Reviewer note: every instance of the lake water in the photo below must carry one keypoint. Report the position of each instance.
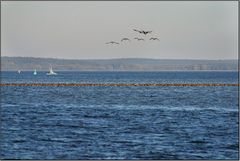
(119, 122)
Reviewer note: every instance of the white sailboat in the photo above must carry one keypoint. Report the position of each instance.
(51, 72)
(35, 72)
(19, 71)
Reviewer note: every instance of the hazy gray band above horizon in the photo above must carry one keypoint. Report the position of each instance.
(80, 30)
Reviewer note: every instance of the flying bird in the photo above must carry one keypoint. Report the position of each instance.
(137, 30)
(154, 38)
(146, 32)
(139, 39)
(142, 31)
(125, 39)
(112, 42)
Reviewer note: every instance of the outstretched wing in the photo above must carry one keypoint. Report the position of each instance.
(139, 39)
(112, 42)
(137, 30)
(125, 39)
(154, 38)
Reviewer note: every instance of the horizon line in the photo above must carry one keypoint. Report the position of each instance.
(118, 58)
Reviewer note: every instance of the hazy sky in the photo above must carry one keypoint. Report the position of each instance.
(61, 29)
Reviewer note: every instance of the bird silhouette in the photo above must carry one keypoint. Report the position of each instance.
(125, 39)
(137, 30)
(142, 31)
(139, 39)
(154, 38)
(146, 32)
(112, 42)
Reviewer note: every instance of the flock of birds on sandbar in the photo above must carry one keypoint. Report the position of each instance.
(142, 32)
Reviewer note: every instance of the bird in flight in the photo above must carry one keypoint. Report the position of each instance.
(125, 39)
(154, 38)
(142, 31)
(112, 42)
(139, 39)
(137, 30)
(146, 32)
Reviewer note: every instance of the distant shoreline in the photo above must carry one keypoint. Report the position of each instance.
(119, 58)
(116, 65)
(126, 71)
(118, 84)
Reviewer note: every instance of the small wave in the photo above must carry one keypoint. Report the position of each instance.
(199, 142)
(18, 141)
(8, 105)
(154, 107)
(172, 108)
(132, 107)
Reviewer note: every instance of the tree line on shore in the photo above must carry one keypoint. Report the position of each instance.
(124, 64)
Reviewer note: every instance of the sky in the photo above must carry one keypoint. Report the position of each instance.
(80, 29)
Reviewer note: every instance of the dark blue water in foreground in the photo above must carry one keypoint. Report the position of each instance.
(119, 122)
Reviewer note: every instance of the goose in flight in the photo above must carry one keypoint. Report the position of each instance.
(142, 31)
(146, 32)
(139, 39)
(125, 39)
(154, 38)
(112, 42)
(137, 30)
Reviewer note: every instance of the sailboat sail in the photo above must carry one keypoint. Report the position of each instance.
(35, 72)
(51, 72)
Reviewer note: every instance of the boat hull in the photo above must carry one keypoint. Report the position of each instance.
(51, 73)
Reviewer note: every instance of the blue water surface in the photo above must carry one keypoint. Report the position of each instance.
(119, 122)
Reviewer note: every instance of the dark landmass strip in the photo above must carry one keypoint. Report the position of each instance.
(124, 64)
(113, 84)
